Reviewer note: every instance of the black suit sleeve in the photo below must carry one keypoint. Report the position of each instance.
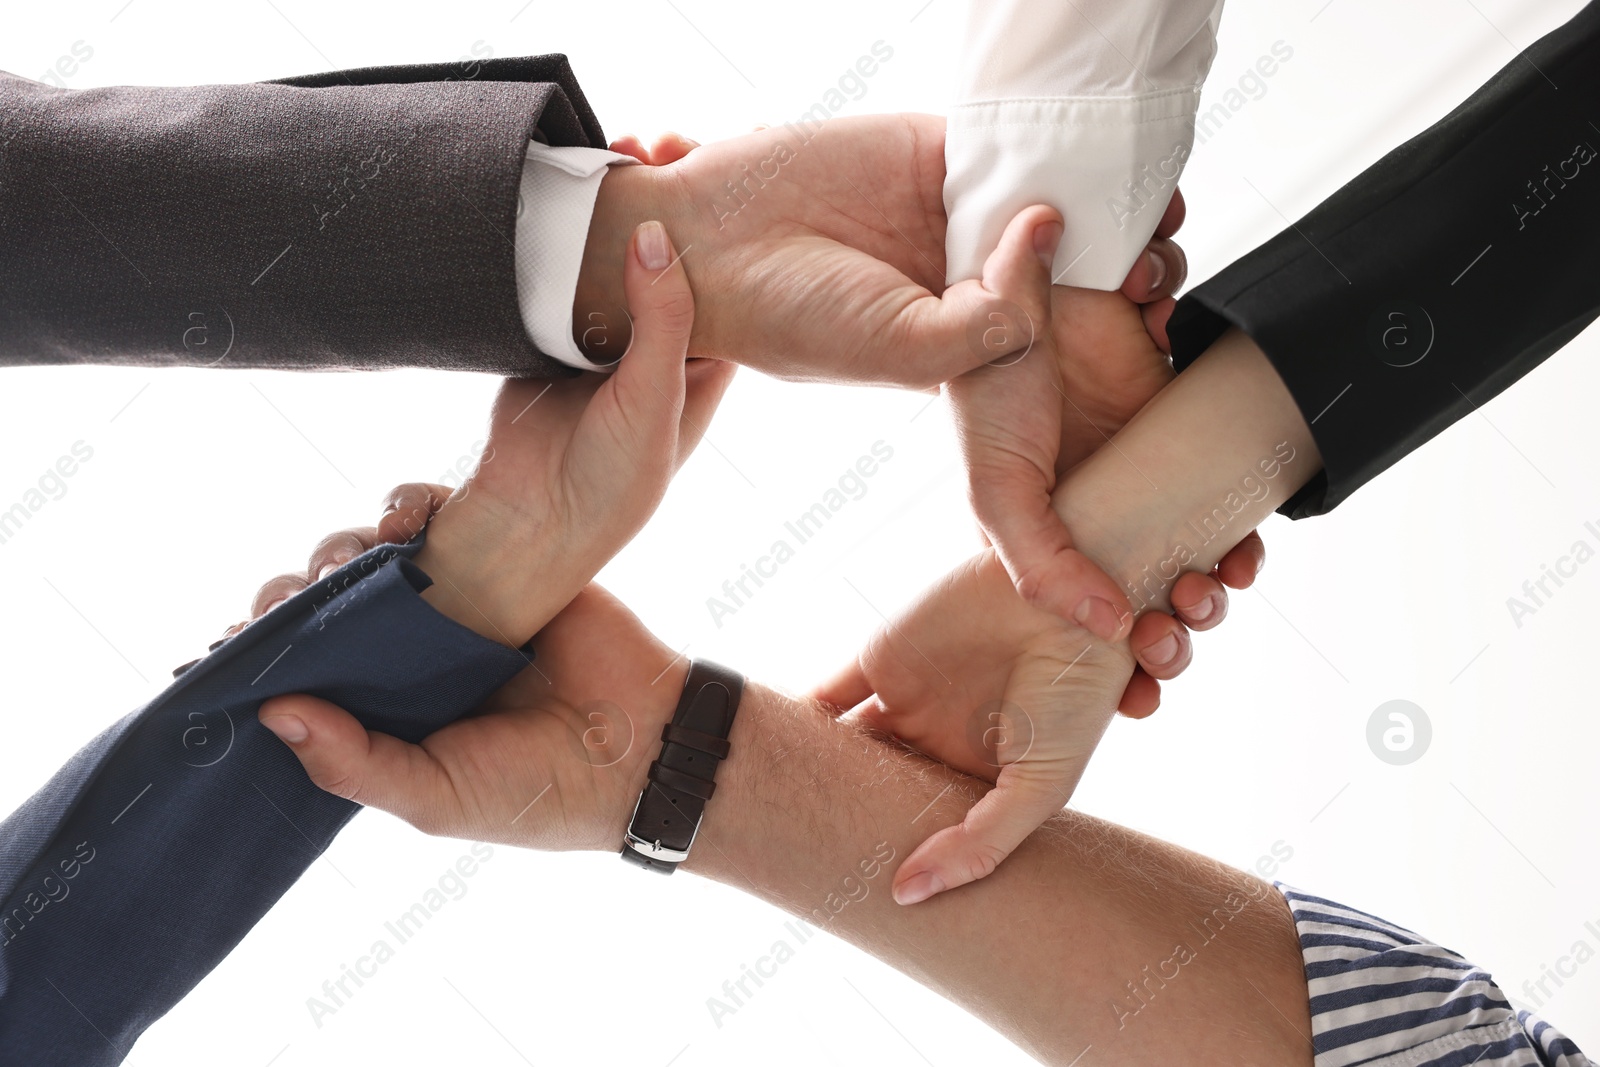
(353, 220)
(1442, 274)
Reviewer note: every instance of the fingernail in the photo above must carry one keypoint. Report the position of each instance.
(918, 887)
(1099, 618)
(1162, 652)
(327, 569)
(274, 604)
(655, 251)
(1158, 271)
(1045, 239)
(288, 728)
(1203, 610)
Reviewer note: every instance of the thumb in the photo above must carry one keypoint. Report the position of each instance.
(1018, 805)
(1009, 419)
(646, 393)
(1010, 308)
(989, 321)
(1018, 270)
(342, 757)
(1012, 504)
(1010, 477)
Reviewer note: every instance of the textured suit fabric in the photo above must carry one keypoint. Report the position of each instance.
(1442, 274)
(150, 855)
(346, 221)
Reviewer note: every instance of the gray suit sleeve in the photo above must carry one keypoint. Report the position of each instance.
(346, 221)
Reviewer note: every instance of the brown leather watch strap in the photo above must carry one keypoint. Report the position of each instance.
(683, 778)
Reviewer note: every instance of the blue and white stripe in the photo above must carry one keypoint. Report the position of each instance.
(1383, 995)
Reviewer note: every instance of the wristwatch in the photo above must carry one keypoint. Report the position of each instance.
(683, 777)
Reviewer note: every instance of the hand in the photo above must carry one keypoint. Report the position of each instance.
(1093, 360)
(574, 466)
(554, 760)
(821, 265)
(583, 721)
(979, 679)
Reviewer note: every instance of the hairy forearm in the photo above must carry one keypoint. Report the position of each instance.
(1197, 469)
(1089, 934)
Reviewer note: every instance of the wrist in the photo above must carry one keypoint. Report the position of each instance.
(500, 575)
(1198, 468)
(628, 196)
(790, 810)
(737, 815)
(626, 776)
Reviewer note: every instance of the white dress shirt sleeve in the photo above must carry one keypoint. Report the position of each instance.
(554, 206)
(1085, 105)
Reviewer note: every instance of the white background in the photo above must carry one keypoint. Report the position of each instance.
(200, 488)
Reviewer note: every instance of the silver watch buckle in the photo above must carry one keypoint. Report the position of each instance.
(655, 850)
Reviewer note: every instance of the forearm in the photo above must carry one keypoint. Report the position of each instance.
(1197, 469)
(811, 815)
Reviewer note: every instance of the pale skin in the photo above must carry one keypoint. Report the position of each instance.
(818, 254)
(502, 497)
(1045, 947)
(1041, 694)
(1024, 698)
(572, 470)
(1048, 689)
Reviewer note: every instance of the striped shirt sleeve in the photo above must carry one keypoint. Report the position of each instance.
(1384, 996)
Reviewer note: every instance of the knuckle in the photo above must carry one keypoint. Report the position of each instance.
(329, 550)
(407, 494)
(275, 589)
(1034, 584)
(1030, 586)
(341, 783)
(982, 858)
(404, 523)
(673, 312)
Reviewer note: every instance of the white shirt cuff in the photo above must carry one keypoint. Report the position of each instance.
(554, 207)
(1108, 164)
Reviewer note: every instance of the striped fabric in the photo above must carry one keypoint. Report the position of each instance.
(1382, 995)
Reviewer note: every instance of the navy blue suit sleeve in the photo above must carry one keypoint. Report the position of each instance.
(151, 854)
